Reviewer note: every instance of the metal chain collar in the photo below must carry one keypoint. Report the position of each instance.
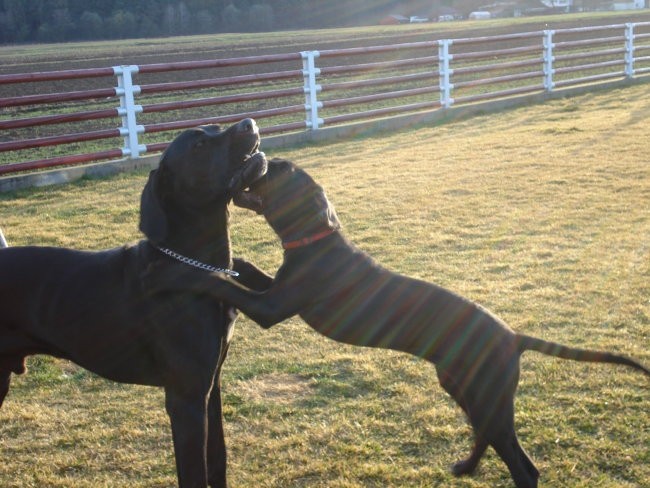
(195, 263)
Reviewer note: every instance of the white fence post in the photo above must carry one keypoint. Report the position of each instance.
(309, 73)
(3, 241)
(126, 90)
(629, 50)
(548, 60)
(445, 72)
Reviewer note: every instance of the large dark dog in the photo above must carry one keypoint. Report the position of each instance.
(342, 293)
(91, 307)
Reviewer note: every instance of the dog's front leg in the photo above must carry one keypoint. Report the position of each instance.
(282, 300)
(285, 297)
(251, 276)
(267, 308)
(216, 447)
(188, 416)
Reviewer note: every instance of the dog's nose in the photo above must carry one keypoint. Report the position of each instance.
(248, 125)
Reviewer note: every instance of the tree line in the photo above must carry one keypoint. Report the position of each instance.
(72, 20)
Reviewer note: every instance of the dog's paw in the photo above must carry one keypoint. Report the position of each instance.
(463, 468)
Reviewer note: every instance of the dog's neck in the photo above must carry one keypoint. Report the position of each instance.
(305, 241)
(297, 237)
(202, 236)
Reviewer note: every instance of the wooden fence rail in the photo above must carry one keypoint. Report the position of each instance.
(297, 91)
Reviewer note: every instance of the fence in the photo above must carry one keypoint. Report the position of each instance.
(297, 91)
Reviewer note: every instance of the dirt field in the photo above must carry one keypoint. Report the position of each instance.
(34, 58)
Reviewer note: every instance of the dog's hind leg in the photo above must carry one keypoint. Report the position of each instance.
(468, 465)
(502, 437)
(5, 379)
(491, 398)
(8, 365)
(492, 417)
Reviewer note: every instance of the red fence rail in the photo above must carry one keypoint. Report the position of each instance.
(42, 130)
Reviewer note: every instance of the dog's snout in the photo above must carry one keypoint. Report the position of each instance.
(248, 125)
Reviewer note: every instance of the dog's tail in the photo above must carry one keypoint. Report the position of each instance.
(527, 343)
(3, 242)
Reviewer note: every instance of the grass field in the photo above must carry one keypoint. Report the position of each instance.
(539, 213)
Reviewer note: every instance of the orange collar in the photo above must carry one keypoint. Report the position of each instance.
(307, 240)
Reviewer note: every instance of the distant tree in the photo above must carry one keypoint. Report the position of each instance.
(91, 26)
(147, 27)
(205, 22)
(260, 18)
(468, 6)
(58, 28)
(283, 13)
(5, 28)
(170, 20)
(103, 7)
(19, 25)
(44, 33)
(177, 19)
(151, 9)
(121, 25)
(184, 19)
(232, 19)
(242, 4)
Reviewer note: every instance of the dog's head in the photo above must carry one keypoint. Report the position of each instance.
(294, 205)
(195, 172)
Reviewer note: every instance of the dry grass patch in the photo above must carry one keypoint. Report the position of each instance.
(279, 388)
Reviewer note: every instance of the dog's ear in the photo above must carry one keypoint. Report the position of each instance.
(329, 214)
(153, 221)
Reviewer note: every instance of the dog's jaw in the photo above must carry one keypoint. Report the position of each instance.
(249, 200)
(253, 169)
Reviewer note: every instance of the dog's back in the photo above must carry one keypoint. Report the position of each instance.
(68, 303)
(50, 276)
(361, 303)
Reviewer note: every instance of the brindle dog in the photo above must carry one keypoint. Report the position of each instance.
(343, 294)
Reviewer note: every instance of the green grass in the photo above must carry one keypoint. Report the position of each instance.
(539, 213)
